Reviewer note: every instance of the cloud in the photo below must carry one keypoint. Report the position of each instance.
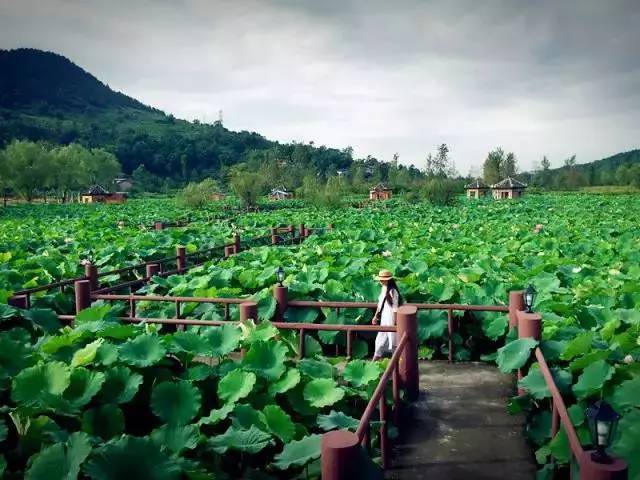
(539, 77)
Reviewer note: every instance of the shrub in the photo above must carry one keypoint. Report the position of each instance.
(196, 195)
(441, 191)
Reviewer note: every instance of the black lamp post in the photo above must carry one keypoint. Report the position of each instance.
(529, 297)
(280, 275)
(602, 420)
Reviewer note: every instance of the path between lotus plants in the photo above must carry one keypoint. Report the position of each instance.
(460, 429)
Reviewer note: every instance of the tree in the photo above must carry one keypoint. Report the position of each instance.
(30, 166)
(70, 169)
(196, 195)
(247, 186)
(499, 165)
(440, 166)
(103, 167)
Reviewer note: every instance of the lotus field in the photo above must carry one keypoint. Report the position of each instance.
(104, 399)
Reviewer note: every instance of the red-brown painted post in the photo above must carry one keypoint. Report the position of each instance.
(249, 311)
(152, 269)
(228, 250)
(292, 232)
(236, 243)
(451, 331)
(181, 259)
(516, 304)
(301, 230)
(91, 273)
(83, 294)
(281, 295)
(407, 322)
(529, 326)
(19, 301)
(307, 232)
(339, 455)
(330, 227)
(592, 470)
(158, 226)
(274, 236)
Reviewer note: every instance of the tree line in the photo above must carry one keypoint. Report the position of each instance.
(29, 169)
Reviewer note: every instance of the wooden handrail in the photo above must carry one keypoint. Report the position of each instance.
(375, 398)
(559, 405)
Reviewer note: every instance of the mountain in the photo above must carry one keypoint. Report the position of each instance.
(603, 171)
(46, 97)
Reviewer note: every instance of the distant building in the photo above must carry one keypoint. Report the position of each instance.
(341, 172)
(123, 184)
(217, 196)
(98, 194)
(477, 189)
(280, 193)
(508, 188)
(380, 192)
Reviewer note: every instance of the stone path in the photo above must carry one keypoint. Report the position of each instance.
(460, 429)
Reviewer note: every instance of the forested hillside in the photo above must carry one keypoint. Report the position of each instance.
(45, 96)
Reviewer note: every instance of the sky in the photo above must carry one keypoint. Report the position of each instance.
(537, 77)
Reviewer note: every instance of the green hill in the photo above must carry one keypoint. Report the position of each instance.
(46, 97)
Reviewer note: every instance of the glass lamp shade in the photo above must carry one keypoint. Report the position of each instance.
(529, 297)
(280, 275)
(603, 421)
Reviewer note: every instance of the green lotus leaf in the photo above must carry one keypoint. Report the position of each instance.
(279, 423)
(175, 403)
(315, 368)
(323, 392)
(61, 460)
(262, 332)
(580, 345)
(105, 421)
(267, 359)
(360, 372)
(298, 452)
(142, 351)
(35, 384)
(286, 382)
(120, 385)
(15, 355)
(515, 354)
(592, 379)
(245, 415)
(337, 420)
(223, 340)
(539, 428)
(252, 440)
(3, 430)
(45, 319)
(535, 384)
(94, 314)
(189, 342)
(217, 415)
(235, 385)
(628, 439)
(176, 438)
(86, 354)
(106, 355)
(494, 324)
(83, 386)
(131, 457)
(431, 324)
(627, 394)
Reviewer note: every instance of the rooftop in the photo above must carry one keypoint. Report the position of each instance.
(509, 183)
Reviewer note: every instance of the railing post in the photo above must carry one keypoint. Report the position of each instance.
(292, 232)
(236, 243)
(339, 455)
(83, 294)
(249, 311)
(529, 326)
(228, 250)
(152, 269)
(158, 226)
(407, 322)
(307, 232)
(451, 331)
(91, 272)
(592, 470)
(274, 236)
(330, 227)
(301, 230)
(181, 259)
(19, 301)
(280, 293)
(516, 304)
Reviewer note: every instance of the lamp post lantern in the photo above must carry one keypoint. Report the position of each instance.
(529, 297)
(280, 275)
(602, 420)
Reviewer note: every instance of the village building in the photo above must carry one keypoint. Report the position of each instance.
(280, 193)
(123, 184)
(380, 192)
(508, 188)
(217, 196)
(98, 194)
(477, 189)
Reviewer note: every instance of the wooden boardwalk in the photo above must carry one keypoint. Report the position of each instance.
(460, 429)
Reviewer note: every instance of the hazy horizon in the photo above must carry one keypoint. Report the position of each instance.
(537, 79)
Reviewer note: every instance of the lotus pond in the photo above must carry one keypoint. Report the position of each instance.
(102, 398)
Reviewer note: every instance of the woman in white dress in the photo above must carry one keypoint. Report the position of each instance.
(388, 303)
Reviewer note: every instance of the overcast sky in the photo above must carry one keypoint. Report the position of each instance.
(536, 77)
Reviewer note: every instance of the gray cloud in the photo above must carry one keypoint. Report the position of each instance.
(537, 77)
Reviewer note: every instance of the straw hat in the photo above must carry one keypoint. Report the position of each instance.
(384, 275)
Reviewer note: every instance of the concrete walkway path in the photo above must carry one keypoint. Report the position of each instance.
(460, 429)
